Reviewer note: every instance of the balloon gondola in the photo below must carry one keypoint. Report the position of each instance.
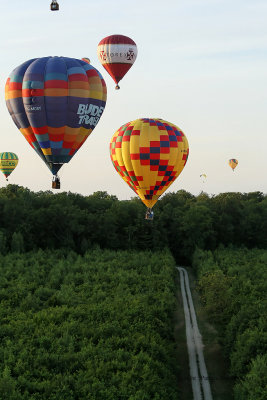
(55, 102)
(54, 6)
(117, 53)
(56, 182)
(149, 214)
(149, 154)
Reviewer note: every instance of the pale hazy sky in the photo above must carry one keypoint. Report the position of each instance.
(201, 64)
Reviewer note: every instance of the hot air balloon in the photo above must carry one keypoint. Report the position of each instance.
(149, 154)
(87, 60)
(54, 6)
(55, 102)
(233, 163)
(203, 177)
(8, 162)
(117, 53)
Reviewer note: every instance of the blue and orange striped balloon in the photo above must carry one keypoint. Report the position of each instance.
(55, 102)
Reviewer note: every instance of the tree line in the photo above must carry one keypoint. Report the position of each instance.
(233, 286)
(182, 222)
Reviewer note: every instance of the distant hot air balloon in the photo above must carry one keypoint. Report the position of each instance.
(87, 60)
(55, 102)
(149, 154)
(233, 163)
(203, 177)
(8, 162)
(117, 53)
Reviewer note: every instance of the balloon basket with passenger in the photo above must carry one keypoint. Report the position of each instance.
(56, 182)
(54, 6)
(149, 214)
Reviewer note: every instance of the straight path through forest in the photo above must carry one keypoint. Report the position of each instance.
(198, 371)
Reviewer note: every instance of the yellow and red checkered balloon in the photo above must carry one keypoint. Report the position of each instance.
(149, 154)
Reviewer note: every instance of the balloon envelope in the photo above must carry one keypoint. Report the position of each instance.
(8, 162)
(149, 154)
(233, 163)
(203, 177)
(87, 60)
(55, 102)
(117, 53)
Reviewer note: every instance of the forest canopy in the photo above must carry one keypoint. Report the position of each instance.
(94, 327)
(182, 222)
(233, 286)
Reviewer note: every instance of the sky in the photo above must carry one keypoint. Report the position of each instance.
(201, 64)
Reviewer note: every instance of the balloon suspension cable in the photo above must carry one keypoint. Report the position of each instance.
(117, 87)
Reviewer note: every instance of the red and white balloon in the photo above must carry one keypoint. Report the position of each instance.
(117, 53)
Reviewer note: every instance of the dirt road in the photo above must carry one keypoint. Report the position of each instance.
(198, 371)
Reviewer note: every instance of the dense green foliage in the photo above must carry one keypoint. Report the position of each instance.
(86, 308)
(182, 221)
(97, 326)
(233, 284)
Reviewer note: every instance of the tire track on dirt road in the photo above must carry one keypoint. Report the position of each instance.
(198, 371)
